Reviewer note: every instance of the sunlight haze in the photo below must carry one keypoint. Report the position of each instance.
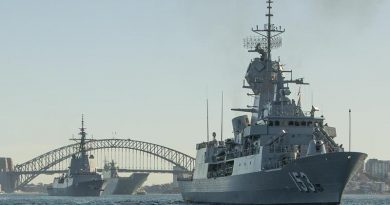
(144, 69)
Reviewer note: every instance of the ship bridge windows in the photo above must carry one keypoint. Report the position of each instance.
(201, 145)
(274, 123)
(297, 123)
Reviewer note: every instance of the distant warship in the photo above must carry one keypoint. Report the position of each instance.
(116, 185)
(282, 155)
(80, 180)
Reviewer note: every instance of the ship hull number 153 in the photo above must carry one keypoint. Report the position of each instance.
(303, 183)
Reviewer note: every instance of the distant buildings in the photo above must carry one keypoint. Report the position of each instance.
(378, 168)
(374, 179)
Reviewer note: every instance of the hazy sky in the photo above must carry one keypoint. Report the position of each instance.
(145, 68)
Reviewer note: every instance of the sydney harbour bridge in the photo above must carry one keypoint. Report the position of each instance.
(130, 155)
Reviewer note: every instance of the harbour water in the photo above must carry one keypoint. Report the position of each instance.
(150, 199)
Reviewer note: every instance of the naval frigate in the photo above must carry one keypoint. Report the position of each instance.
(81, 179)
(281, 155)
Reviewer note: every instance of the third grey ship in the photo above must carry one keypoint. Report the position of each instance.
(281, 155)
(81, 179)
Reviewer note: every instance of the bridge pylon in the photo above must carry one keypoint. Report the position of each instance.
(7, 177)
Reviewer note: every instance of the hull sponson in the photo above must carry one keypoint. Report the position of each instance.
(109, 186)
(87, 188)
(331, 171)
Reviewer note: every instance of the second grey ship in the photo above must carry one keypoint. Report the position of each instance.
(282, 155)
(117, 185)
(81, 179)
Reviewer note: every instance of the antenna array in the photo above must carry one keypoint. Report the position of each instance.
(268, 36)
(253, 43)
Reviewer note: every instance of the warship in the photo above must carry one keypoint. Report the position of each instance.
(282, 154)
(116, 185)
(81, 179)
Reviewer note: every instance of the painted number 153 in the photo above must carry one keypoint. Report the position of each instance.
(303, 182)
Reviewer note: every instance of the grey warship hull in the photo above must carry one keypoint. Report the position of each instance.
(329, 173)
(124, 185)
(81, 179)
(87, 188)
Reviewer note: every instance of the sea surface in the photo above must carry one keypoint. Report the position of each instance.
(150, 199)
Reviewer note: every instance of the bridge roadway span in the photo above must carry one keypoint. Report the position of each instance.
(170, 171)
(21, 174)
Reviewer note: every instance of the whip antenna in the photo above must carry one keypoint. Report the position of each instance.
(222, 118)
(207, 111)
(349, 130)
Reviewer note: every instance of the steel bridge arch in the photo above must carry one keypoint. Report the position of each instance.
(27, 171)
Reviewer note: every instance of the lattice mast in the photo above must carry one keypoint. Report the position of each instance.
(266, 77)
(270, 36)
(269, 15)
(83, 135)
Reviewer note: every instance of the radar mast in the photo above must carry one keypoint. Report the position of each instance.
(269, 37)
(265, 77)
(83, 135)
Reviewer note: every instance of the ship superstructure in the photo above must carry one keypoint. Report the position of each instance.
(81, 179)
(281, 155)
